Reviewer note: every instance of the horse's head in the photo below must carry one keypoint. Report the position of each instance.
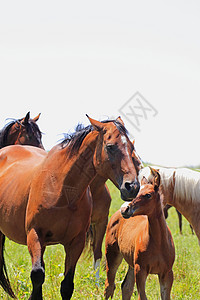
(113, 157)
(25, 131)
(146, 200)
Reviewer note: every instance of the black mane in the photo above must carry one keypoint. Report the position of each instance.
(4, 133)
(74, 140)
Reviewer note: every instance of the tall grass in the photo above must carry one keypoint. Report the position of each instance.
(186, 267)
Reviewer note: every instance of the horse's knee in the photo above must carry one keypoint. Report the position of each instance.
(67, 286)
(37, 276)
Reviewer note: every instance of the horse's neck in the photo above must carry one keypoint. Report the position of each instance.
(98, 182)
(157, 226)
(79, 170)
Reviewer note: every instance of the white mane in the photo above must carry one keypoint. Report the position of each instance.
(167, 177)
(187, 185)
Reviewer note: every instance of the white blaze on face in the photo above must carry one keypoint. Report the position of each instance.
(142, 187)
(123, 139)
(125, 204)
(124, 142)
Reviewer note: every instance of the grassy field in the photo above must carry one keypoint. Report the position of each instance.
(186, 268)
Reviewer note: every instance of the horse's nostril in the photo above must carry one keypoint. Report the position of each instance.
(128, 186)
(127, 209)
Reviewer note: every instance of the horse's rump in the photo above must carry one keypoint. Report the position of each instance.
(18, 165)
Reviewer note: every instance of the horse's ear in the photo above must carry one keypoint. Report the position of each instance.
(37, 118)
(156, 178)
(96, 124)
(119, 119)
(26, 119)
(144, 180)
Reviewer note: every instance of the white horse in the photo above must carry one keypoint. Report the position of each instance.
(181, 189)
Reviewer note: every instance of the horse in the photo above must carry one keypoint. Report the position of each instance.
(23, 131)
(181, 189)
(101, 204)
(166, 208)
(45, 198)
(139, 234)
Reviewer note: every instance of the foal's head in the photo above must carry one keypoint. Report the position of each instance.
(113, 156)
(146, 200)
(23, 131)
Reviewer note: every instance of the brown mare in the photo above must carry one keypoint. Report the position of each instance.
(100, 211)
(140, 235)
(181, 189)
(45, 199)
(23, 131)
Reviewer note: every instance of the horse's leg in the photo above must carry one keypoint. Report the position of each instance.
(166, 282)
(140, 276)
(37, 274)
(180, 220)
(99, 229)
(113, 260)
(73, 252)
(128, 284)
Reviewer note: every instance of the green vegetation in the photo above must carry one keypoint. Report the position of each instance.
(186, 267)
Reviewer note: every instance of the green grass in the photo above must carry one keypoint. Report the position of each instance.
(186, 267)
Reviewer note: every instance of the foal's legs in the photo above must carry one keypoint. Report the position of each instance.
(128, 284)
(166, 282)
(113, 260)
(73, 252)
(140, 276)
(37, 274)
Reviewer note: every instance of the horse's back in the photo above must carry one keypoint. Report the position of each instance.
(11, 154)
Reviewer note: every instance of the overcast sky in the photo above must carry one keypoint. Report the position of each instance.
(106, 58)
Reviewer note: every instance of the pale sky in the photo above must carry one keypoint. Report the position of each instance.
(68, 58)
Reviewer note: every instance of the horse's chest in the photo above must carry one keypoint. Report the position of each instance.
(154, 260)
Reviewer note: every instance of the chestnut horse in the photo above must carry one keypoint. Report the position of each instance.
(181, 189)
(100, 211)
(45, 199)
(23, 131)
(140, 235)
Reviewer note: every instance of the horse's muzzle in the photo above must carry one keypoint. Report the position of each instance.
(129, 190)
(126, 210)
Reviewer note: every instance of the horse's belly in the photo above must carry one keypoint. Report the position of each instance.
(16, 235)
(60, 224)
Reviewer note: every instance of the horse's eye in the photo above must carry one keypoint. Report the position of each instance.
(148, 196)
(111, 148)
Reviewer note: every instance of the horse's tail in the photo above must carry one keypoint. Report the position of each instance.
(4, 281)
